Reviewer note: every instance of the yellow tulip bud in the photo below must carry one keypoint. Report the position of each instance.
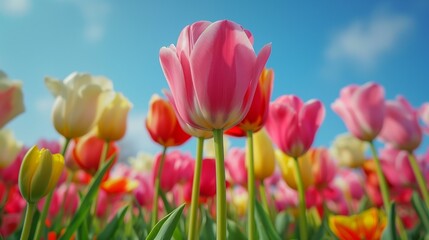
(263, 153)
(39, 173)
(348, 150)
(288, 173)
(113, 121)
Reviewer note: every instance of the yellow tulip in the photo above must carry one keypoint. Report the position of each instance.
(288, 173)
(9, 148)
(113, 121)
(263, 152)
(80, 100)
(348, 151)
(11, 99)
(366, 225)
(39, 173)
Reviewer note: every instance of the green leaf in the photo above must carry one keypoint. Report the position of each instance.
(208, 226)
(164, 229)
(282, 223)
(85, 205)
(389, 232)
(421, 209)
(234, 231)
(264, 224)
(165, 201)
(113, 225)
(139, 224)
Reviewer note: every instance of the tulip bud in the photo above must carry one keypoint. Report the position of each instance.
(113, 120)
(39, 173)
(348, 150)
(264, 159)
(288, 172)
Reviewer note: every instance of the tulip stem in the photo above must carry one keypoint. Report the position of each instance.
(48, 200)
(31, 207)
(154, 216)
(263, 195)
(193, 229)
(419, 178)
(103, 156)
(381, 179)
(220, 185)
(251, 188)
(301, 198)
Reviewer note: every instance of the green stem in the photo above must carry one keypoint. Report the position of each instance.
(420, 180)
(48, 200)
(157, 189)
(220, 185)
(103, 156)
(31, 207)
(381, 179)
(193, 229)
(263, 195)
(251, 187)
(301, 198)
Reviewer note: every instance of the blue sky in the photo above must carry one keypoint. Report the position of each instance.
(317, 49)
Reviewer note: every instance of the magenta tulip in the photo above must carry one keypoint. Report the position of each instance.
(401, 126)
(213, 73)
(424, 115)
(235, 163)
(292, 124)
(362, 109)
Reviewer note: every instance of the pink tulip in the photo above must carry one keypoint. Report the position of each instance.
(11, 99)
(292, 124)
(9, 224)
(396, 161)
(350, 181)
(207, 181)
(362, 108)
(67, 199)
(235, 163)
(401, 126)
(213, 73)
(144, 191)
(178, 167)
(323, 167)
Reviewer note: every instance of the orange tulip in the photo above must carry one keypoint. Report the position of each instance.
(119, 185)
(366, 225)
(258, 111)
(162, 123)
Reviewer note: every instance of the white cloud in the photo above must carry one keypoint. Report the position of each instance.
(95, 14)
(364, 42)
(15, 7)
(44, 104)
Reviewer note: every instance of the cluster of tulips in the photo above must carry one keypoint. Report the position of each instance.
(277, 187)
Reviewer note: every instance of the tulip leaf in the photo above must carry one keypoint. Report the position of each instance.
(282, 222)
(208, 226)
(86, 203)
(234, 231)
(113, 225)
(165, 228)
(421, 209)
(139, 224)
(389, 232)
(169, 207)
(265, 227)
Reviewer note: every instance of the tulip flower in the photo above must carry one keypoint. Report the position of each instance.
(258, 111)
(366, 225)
(79, 102)
(348, 150)
(424, 115)
(395, 161)
(113, 120)
(401, 126)
(39, 173)
(264, 163)
(119, 185)
(9, 148)
(235, 163)
(11, 99)
(362, 108)
(288, 171)
(87, 152)
(292, 124)
(162, 123)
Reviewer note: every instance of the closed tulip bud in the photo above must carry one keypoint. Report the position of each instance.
(9, 148)
(11, 99)
(80, 99)
(348, 150)
(288, 172)
(264, 158)
(162, 123)
(113, 121)
(39, 173)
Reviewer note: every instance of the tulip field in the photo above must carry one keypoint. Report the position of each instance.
(279, 186)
